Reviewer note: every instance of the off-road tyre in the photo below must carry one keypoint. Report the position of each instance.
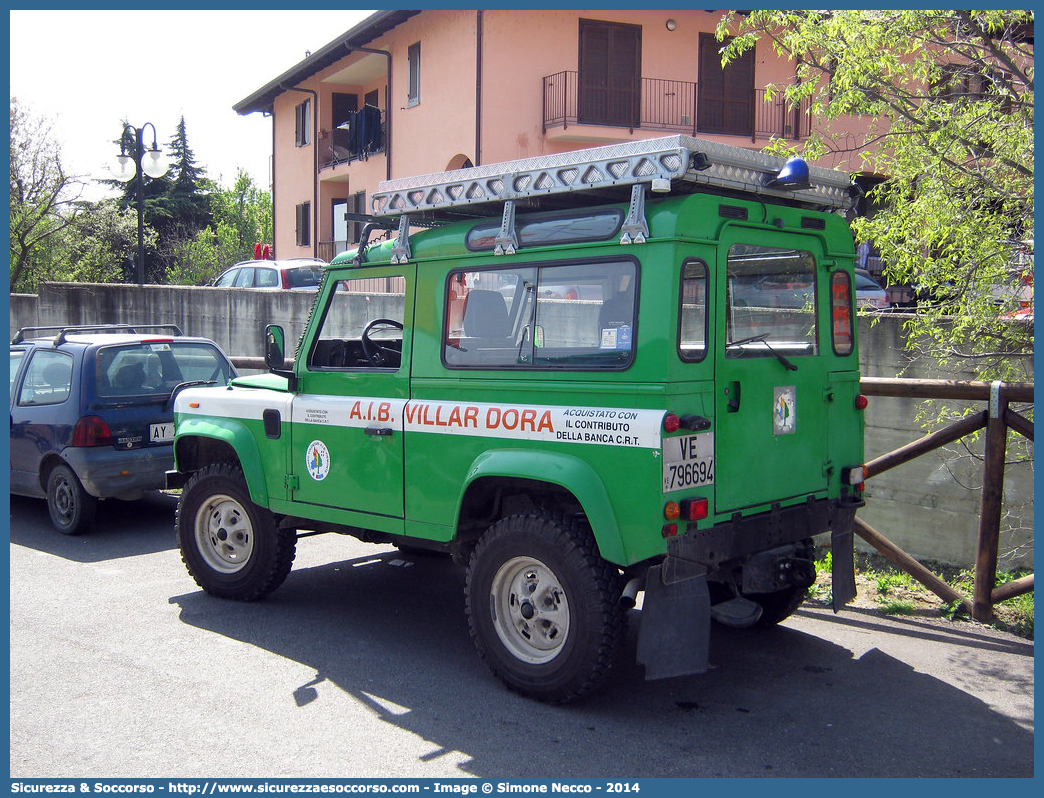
(72, 509)
(231, 547)
(543, 606)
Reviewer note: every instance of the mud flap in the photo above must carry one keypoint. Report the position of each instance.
(674, 636)
(842, 572)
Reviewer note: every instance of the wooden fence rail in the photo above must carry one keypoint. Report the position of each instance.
(997, 419)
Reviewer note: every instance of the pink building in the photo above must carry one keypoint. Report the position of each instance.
(414, 92)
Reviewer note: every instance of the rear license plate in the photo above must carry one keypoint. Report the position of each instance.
(688, 461)
(161, 433)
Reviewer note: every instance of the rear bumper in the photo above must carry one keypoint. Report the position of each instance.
(107, 473)
(742, 536)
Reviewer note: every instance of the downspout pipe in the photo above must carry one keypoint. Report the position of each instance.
(315, 165)
(387, 103)
(478, 87)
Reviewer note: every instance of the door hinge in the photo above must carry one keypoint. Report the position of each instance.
(828, 393)
(292, 481)
(828, 468)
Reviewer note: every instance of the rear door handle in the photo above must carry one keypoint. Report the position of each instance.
(733, 392)
(380, 431)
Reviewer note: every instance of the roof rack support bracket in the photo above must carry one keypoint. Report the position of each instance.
(401, 248)
(506, 241)
(635, 229)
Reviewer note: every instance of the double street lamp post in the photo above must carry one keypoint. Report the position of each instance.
(136, 164)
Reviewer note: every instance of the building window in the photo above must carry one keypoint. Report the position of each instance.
(413, 57)
(610, 59)
(303, 124)
(304, 224)
(725, 97)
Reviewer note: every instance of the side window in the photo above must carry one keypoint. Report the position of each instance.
(304, 224)
(361, 329)
(413, 65)
(17, 356)
(692, 315)
(770, 302)
(266, 278)
(48, 380)
(562, 316)
(303, 124)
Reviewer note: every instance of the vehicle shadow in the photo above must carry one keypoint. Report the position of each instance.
(390, 631)
(120, 529)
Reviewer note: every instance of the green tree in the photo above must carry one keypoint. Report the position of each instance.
(44, 197)
(176, 206)
(946, 98)
(240, 217)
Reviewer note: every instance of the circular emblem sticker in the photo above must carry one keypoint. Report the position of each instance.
(317, 460)
(784, 415)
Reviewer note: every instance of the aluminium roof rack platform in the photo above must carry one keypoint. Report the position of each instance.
(682, 164)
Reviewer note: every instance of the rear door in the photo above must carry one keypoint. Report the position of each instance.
(770, 372)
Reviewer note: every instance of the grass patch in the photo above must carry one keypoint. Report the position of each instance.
(894, 592)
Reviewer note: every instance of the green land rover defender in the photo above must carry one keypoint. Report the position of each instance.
(599, 379)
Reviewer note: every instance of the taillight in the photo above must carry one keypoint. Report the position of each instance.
(672, 511)
(91, 431)
(285, 279)
(671, 423)
(861, 402)
(841, 322)
(669, 530)
(694, 509)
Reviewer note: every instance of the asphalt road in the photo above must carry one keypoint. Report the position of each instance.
(361, 665)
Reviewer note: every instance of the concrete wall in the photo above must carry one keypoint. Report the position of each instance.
(929, 507)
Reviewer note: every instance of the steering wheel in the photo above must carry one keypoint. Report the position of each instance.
(376, 353)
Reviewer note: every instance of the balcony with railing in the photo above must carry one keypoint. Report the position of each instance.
(673, 106)
(358, 138)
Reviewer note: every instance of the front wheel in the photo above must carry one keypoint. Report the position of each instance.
(72, 509)
(543, 607)
(232, 548)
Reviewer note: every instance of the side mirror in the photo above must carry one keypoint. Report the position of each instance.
(275, 347)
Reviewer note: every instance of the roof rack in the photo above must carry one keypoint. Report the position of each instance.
(64, 330)
(681, 164)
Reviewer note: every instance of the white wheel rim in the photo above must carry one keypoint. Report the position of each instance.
(224, 534)
(530, 610)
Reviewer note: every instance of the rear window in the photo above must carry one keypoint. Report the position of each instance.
(155, 368)
(771, 302)
(304, 276)
(562, 316)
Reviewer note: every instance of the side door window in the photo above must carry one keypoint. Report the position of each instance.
(48, 380)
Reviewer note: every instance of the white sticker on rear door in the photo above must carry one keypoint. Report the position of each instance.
(688, 461)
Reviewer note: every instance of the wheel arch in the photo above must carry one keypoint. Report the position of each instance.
(545, 477)
(202, 442)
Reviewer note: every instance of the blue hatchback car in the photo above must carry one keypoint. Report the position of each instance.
(91, 411)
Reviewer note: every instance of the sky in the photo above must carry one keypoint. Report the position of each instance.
(88, 71)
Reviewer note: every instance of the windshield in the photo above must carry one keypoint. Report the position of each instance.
(154, 368)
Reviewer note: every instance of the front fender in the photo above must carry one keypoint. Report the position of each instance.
(566, 471)
(233, 434)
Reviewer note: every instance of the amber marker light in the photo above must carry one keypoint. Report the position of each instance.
(672, 511)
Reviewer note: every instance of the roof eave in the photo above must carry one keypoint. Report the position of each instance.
(362, 34)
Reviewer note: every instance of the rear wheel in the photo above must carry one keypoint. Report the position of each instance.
(543, 606)
(72, 509)
(232, 547)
